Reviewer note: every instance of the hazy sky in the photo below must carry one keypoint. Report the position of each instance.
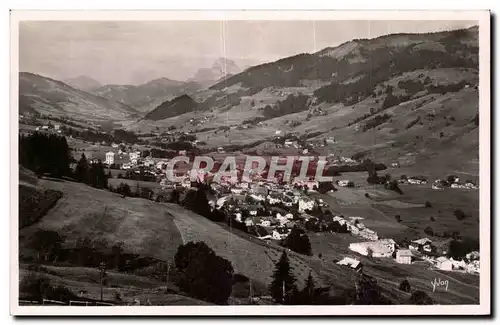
(122, 52)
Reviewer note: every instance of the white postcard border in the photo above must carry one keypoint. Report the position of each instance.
(483, 18)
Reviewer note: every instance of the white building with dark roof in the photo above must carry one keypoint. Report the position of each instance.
(379, 248)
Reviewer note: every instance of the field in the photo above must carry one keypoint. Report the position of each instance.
(115, 182)
(127, 286)
(381, 207)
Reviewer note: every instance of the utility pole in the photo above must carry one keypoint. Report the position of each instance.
(283, 291)
(102, 275)
(250, 298)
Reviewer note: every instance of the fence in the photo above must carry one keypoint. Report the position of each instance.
(48, 302)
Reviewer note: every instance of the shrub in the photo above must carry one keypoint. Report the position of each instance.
(405, 286)
(420, 298)
(124, 189)
(428, 204)
(459, 214)
(202, 274)
(38, 287)
(398, 218)
(429, 231)
(393, 186)
(298, 241)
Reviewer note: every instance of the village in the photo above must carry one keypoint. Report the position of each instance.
(269, 209)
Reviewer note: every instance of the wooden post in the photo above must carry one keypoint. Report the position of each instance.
(250, 298)
(168, 271)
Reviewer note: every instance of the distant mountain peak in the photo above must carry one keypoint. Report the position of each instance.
(163, 81)
(221, 68)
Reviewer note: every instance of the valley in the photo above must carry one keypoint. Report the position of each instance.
(396, 119)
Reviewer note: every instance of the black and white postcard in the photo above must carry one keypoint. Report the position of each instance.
(250, 163)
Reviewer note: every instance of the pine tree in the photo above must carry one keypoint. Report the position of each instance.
(82, 169)
(283, 286)
(201, 205)
(298, 241)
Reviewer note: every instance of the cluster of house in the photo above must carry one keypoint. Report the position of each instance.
(49, 127)
(200, 120)
(265, 223)
(387, 248)
(356, 228)
(343, 161)
(345, 183)
(440, 184)
(413, 180)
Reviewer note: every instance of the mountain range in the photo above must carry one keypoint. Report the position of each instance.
(52, 97)
(147, 96)
(398, 89)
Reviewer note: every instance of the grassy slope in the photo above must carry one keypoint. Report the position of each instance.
(146, 228)
(153, 229)
(50, 96)
(150, 229)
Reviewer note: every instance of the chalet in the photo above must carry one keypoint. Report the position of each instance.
(330, 140)
(161, 165)
(249, 222)
(340, 220)
(379, 248)
(444, 264)
(436, 186)
(368, 234)
(417, 180)
(280, 233)
(345, 183)
(134, 156)
(148, 161)
(110, 157)
(472, 256)
(459, 265)
(403, 256)
(306, 204)
(352, 263)
(423, 244)
(236, 190)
